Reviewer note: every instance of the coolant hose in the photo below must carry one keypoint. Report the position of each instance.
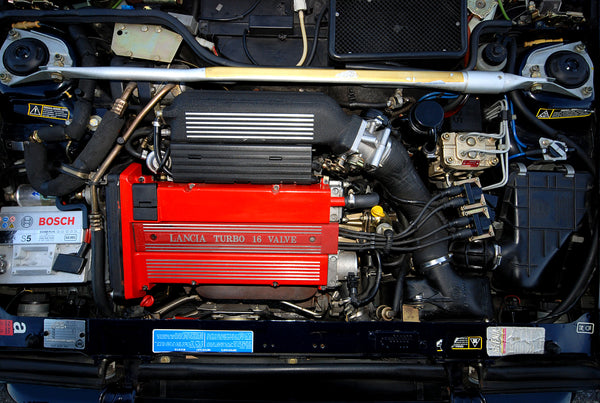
(36, 160)
(464, 297)
(82, 108)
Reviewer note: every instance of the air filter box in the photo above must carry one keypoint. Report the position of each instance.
(392, 29)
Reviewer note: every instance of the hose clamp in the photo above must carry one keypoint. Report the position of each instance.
(69, 170)
(436, 262)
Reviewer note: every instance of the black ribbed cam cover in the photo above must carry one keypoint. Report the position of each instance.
(251, 137)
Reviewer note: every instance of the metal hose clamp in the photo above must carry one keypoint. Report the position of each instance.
(436, 262)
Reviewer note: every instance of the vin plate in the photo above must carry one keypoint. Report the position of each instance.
(202, 341)
(68, 334)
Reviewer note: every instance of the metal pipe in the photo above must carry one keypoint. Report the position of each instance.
(471, 82)
(115, 151)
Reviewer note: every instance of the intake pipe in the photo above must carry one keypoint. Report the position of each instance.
(36, 160)
(454, 295)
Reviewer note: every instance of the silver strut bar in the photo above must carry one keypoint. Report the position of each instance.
(471, 82)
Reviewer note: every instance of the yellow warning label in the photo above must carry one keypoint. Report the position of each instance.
(567, 113)
(48, 111)
(468, 343)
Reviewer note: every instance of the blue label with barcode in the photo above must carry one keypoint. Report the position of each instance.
(202, 341)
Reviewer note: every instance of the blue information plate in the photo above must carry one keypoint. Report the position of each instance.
(202, 341)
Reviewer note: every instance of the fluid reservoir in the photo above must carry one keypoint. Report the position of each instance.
(27, 196)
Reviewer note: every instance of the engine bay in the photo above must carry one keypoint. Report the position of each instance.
(341, 161)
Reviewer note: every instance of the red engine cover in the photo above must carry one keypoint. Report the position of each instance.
(226, 234)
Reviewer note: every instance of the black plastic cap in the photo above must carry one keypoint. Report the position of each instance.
(568, 68)
(494, 53)
(425, 116)
(25, 56)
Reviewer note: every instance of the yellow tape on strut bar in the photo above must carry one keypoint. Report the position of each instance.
(331, 75)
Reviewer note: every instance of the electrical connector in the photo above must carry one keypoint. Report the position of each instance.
(299, 5)
(205, 43)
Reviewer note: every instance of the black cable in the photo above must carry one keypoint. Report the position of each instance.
(582, 283)
(313, 49)
(195, 9)
(375, 289)
(160, 158)
(246, 50)
(518, 102)
(235, 17)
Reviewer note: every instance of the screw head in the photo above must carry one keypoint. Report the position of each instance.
(587, 91)
(537, 87)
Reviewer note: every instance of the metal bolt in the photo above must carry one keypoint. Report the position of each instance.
(4, 77)
(537, 87)
(446, 136)
(122, 27)
(93, 123)
(545, 143)
(293, 361)
(480, 4)
(494, 161)
(158, 29)
(312, 239)
(165, 359)
(335, 191)
(534, 68)
(449, 160)
(587, 91)
(194, 282)
(144, 28)
(333, 258)
(471, 141)
(13, 34)
(580, 48)
(56, 77)
(334, 217)
(130, 53)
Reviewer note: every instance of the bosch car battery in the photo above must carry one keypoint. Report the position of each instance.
(42, 245)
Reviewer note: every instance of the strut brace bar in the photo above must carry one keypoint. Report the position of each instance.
(470, 82)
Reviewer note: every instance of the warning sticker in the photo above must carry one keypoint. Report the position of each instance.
(48, 111)
(545, 113)
(6, 327)
(196, 341)
(502, 341)
(468, 343)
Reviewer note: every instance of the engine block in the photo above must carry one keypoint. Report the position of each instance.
(196, 234)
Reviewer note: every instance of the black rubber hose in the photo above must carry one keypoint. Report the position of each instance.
(97, 268)
(36, 160)
(484, 27)
(140, 16)
(139, 133)
(399, 291)
(83, 106)
(362, 201)
(372, 292)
